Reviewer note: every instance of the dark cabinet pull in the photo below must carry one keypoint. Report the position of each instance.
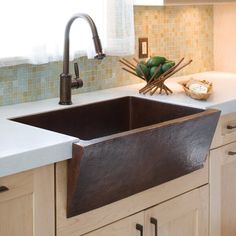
(231, 126)
(3, 189)
(140, 228)
(230, 153)
(155, 223)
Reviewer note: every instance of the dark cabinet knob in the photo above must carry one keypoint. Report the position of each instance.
(231, 126)
(155, 223)
(140, 228)
(3, 189)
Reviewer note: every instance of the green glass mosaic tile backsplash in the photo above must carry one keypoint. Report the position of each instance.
(172, 31)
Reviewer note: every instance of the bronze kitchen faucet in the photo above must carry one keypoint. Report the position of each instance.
(66, 81)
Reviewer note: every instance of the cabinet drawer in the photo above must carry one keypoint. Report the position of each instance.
(16, 185)
(129, 226)
(226, 130)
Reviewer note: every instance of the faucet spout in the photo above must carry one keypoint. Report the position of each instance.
(65, 77)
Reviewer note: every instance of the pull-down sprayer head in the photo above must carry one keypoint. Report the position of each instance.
(96, 40)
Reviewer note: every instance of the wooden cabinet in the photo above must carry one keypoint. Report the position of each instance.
(186, 215)
(99, 218)
(222, 175)
(225, 131)
(223, 191)
(131, 226)
(27, 203)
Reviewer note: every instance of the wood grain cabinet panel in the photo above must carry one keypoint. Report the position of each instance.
(27, 203)
(125, 227)
(223, 191)
(186, 215)
(226, 131)
(16, 216)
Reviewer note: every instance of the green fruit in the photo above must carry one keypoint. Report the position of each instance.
(153, 70)
(141, 69)
(156, 61)
(165, 67)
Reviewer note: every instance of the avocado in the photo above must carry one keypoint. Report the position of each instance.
(153, 70)
(156, 61)
(165, 67)
(141, 69)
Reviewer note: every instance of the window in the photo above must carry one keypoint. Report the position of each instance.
(32, 31)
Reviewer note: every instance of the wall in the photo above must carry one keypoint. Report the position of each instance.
(225, 37)
(173, 32)
(25, 83)
(179, 31)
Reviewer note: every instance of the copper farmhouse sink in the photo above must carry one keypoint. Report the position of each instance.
(127, 145)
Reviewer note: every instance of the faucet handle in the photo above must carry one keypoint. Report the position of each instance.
(76, 68)
(76, 82)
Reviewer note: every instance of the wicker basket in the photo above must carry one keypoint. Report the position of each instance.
(195, 95)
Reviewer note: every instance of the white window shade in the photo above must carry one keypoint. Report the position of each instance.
(32, 31)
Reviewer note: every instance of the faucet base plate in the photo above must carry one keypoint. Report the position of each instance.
(65, 103)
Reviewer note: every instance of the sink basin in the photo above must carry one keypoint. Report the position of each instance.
(108, 117)
(126, 146)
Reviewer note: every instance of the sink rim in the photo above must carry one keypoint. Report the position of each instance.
(119, 134)
(172, 122)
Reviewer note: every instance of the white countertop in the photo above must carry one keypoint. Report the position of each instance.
(24, 147)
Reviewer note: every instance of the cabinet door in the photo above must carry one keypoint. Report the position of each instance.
(186, 215)
(130, 226)
(223, 191)
(27, 203)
